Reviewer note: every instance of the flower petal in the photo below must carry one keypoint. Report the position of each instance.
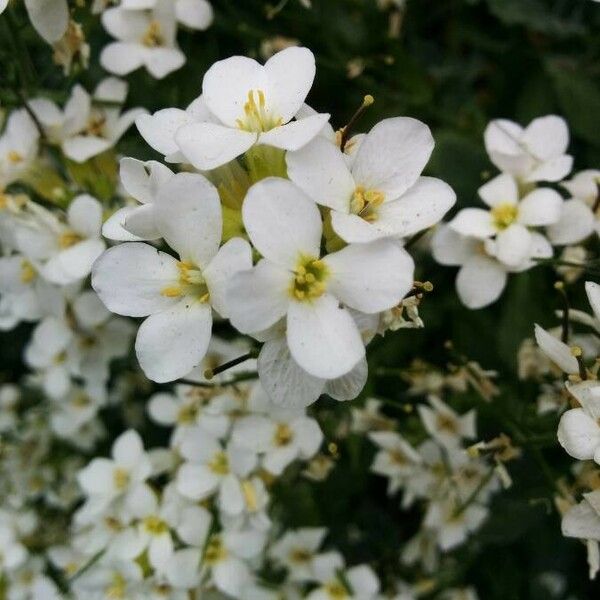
(540, 207)
(480, 282)
(474, 222)
(499, 190)
(294, 135)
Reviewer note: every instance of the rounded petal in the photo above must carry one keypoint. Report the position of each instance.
(503, 136)
(349, 386)
(451, 248)
(141, 222)
(320, 170)
(188, 215)
(540, 207)
(579, 434)
(208, 145)
(557, 351)
(159, 129)
(121, 58)
(169, 344)
(282, 222)
(162, 61)
(554, 169)
(290, 74)
(85, 215)
(294, 135)
(83, 147)
(113, 228)
(393, 155)
(502, 188)
(129, 279)
(49, 17)
(480, 282)
(323, 338)
(354, 229)
(141, 180)
(474, 222)
(258, 298)
(196, 14)
(575, 224)
(196, 481)
(546, 137)
(163, 408)
(74, 263)
(370, 277)
(513, 245)
(593, 293)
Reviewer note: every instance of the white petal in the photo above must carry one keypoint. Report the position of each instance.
(74, 263)
(499, 190)
(575, 224)
(294, 135)
(196, 14)
(513, 245)
(163, 408)
(284, 381)
(422, 206)
(474, 222)
(392, 156)
(160, 128)
(290, 74)
(208, 145)
(188, 215)
(540, 207)
(370, 277)
(480, 282)
(162, 61)
(85, 215)
(142, 179)
(81, 148)
(581, 521)
(349, 386)
(546, 137)
(558, 352)
(258, 298)
(234, 256)
(323, 338)
(113, 229)
(49, 17)
(129, 279)
(171, 343)
(320, 170)
(141, 222)
(121, 58)
(593, 293)
(554, 169)
(579, 434)
(196, 481)
(128, 448)
(451, 248)
(282, 222)
(354, 229)
(503, 136)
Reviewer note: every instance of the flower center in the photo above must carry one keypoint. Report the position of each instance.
(283, 435)
(250, 495)
(120, 478)
(365, 202)
(257, 117)
(96, 125)
(28, 272)
(155, 525)
(68, 238)
(398, 458)
(219, 464)
(299, 555)
(187, 414)
(447, 423)
(309, 280)
(215, 551)
(191, 283)
(14, 156)
(336, 591)
(153, 36)
(504, 215)
(117, 587)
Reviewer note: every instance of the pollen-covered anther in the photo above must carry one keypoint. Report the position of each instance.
(365, 202)
(153, 36)
(68, 238)
(191, 283)
(257, 117)
(310, 276)
(504, 215)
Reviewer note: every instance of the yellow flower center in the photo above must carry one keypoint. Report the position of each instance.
(257, 117)
(68, 238)
(283, 435)
(504, 215)
(219, 464)
(14, 156)
(121, 478)
(309, 279)
(250, 495)
(299, 555)
(447, 423)
(117, 587)
(28, 272)
(81, 400)
(96, 125)
(187, 414)
(398, 458)
(153, 36)
(215, 551)
(336, 590)
(191, 283)
(155, 525)
(365, 202)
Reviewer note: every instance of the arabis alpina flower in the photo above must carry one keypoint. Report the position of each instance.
(177, 296)
(536, 153)
(292, 280)
(382, 193)
(396, 458)
(142, 181)
(296, 551)
(144, 38)
(444, 424)
(253, 104)
(579, 428)
(105, 480)
(508, 218)
(195, 14)
(18, 147)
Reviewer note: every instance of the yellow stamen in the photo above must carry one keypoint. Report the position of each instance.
(250, 495)
(219, 464)
(155, 525)
(365, 202)
(14, 156)
(215, 551)
(336, 591)
(257, 116)
(310, 276)
(120, 478)
(283, 435)
(153, 36)
(68, 238)
(28, 272)
(504, 215)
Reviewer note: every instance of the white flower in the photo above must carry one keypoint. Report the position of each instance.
(509, 218)
(195, 14)
(88, 125)
(144, 38)
(444, 424)
(579, 428)
(135, 279)
(142, 181)
(482, 277)
(337, 583)
(254, 104)
(293, 281)
(105, 480)
(536, 153)
(382, 193)
(282, 437)
(296, 551)
(214, 469)
(18, 147)
(12, 553)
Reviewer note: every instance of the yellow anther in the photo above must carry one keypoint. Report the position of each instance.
(504, 215)
(250, 495)
(120, 478)
(28, 272)
(309, 279)
(368, 100)
(187, 414)
(191, 283)
(153, 36)
(576, 351)
(283, 435)
(14, 156)
(365, 202)
(219, 464)
(215, 551)
(257, 116)
(68, 238)
(172, 291)
(336, 590)
(155, 525)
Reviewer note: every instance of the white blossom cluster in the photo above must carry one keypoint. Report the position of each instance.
(525, 216)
